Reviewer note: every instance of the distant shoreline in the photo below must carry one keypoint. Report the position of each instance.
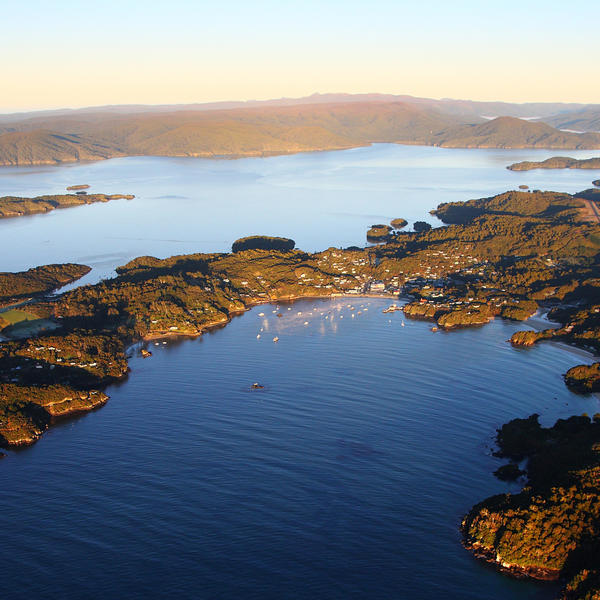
(274, 154)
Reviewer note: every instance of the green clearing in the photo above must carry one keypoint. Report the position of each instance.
(20, 323)
(15, 316)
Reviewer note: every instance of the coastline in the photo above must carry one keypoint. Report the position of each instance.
(537, 323)
(483, 554)
(275, 153)
(221, 323)
(81, 402)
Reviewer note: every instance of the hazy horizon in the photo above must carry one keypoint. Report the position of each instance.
(187, 52)
(250, 102)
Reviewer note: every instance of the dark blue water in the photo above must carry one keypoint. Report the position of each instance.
(347, 477)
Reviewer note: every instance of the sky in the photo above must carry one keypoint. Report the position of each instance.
(72, 54)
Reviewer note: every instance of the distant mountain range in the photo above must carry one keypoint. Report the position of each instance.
(587, 119)
(262, 128)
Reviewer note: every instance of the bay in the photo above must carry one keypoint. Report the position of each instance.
(348, 475)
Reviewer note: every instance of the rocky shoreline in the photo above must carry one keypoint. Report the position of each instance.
(549, 530)
(490, 557)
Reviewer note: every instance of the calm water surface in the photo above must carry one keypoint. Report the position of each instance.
(347, 477)
(187, 205)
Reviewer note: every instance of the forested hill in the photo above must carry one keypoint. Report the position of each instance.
(265, 130)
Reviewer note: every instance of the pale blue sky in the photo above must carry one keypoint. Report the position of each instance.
(67, 53)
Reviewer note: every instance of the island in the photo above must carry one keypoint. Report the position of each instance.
(398, 223)
(507, 256)
(421, 226)
(15, 206)
(557, 162)
(263, 242)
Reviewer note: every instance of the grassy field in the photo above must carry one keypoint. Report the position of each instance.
(17, 316)
(20, 323)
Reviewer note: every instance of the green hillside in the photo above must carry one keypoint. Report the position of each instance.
(267, 130)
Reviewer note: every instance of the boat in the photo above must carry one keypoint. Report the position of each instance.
(275, 339)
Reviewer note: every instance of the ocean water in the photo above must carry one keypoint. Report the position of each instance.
(347, 476)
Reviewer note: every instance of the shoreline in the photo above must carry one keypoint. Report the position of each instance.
(137, 344)
(222, 323)
(536, 322)
(276, 153)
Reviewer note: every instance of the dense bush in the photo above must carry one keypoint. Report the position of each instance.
(263, 242)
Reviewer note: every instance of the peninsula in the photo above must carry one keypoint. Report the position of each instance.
(16, 287)
(16, 206)
(557, 162)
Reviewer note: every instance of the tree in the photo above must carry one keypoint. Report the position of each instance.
(421, 226)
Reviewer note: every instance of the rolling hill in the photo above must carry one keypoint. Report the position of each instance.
(510, 132)
(45, 147)
(582, 120)
(263, 130)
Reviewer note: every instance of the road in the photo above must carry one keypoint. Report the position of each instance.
(594, 212)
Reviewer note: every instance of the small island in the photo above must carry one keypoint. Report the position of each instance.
(421, 226)
(15, 206)
(263, 242)
(557, 162)
(584, 378)
(398, 223)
